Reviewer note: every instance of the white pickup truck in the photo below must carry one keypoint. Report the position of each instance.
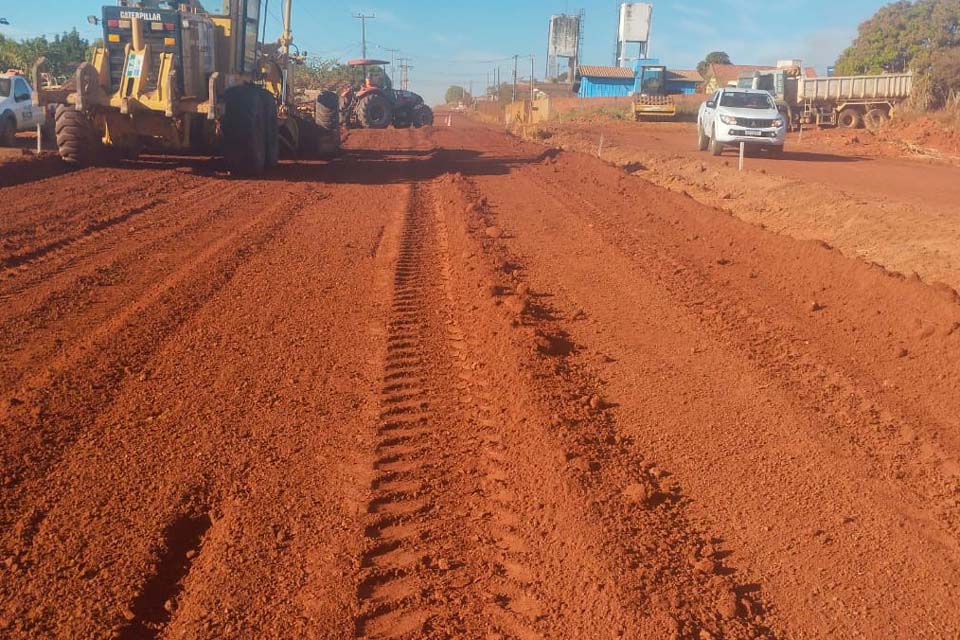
(17, 111)
(732, 116)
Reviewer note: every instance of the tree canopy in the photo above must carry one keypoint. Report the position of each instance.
(714, 57)
(908, 36)
(457, 94)
(902, 36)
(63, 53)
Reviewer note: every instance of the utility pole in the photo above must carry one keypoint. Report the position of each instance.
(393, 56)
(405, 73)
(470, 93)
(532, 83)
(515, 60)
(363, 29)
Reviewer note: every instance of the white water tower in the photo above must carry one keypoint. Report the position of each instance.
(633, 29)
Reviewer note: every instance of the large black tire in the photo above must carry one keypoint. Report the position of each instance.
(272, 139)
(328, 125)
(8, 130)
(375, 112)
(245, 132)
(849, 118)
(422, 116)
(703, 140)
(716, 148)
(76, 139)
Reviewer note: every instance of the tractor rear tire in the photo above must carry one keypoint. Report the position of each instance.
(849, 118)
(272, 140)
(375, 112)
(328, 125)
(245, 132)
(422, 116)
(8, 131)
(76, 139)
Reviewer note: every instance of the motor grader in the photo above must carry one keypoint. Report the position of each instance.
(172, 77)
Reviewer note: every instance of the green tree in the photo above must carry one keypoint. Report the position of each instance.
(714, 57)
(903, 36)
(457, 94)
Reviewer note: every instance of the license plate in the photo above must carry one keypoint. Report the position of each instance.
(134, 65)
(756, 133)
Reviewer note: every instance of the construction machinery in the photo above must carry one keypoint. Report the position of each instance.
(371, 102)
(173, 77)
(650, 98)
(848, 102)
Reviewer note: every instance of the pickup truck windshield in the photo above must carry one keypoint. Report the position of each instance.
(4, 87)
(738, 100)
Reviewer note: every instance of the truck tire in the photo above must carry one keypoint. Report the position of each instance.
(849, 118)
(245, 132)
(716, 148)
(876, 118)
(422, 116)
(76, 139)
(8, 130)
(702, 140)
(374, 112)
(272, 139)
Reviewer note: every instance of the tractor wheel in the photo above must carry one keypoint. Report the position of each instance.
(375, 112)
(422, 116)
(875, 119)
(702, 140)
(716, 148)
(8, 131)
(272, 140)
(76, 138)
(245, 132)
(849, 118)
(328, 124)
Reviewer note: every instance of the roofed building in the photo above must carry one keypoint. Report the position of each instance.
(604, 82)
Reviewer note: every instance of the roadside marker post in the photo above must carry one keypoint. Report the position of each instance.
(39, 140)
(743, 146)
(600, 148)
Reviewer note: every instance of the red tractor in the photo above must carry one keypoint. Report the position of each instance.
(373, 103)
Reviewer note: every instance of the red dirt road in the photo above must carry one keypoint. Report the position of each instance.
(452, 385)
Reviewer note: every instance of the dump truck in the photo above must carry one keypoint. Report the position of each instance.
(173, 77)
(843, 101)
(650, 98)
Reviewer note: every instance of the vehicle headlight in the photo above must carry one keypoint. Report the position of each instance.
(728, 120)
(777, 123)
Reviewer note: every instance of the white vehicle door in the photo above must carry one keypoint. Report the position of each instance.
(23, 105)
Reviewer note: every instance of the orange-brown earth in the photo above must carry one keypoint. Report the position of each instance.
(455, 385)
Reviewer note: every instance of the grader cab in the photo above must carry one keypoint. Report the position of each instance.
(173, 77)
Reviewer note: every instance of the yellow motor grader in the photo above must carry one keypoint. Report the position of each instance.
(172, 77)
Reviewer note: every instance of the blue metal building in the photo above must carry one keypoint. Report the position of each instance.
(604, 82)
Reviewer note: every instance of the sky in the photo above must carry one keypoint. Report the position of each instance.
(458, 42)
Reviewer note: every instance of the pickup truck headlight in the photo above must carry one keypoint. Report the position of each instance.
(728, 120)
(777, 123)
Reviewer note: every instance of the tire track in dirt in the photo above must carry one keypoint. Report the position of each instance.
(52, 300)
(430, 517)
(665, 575)
(58, 404)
